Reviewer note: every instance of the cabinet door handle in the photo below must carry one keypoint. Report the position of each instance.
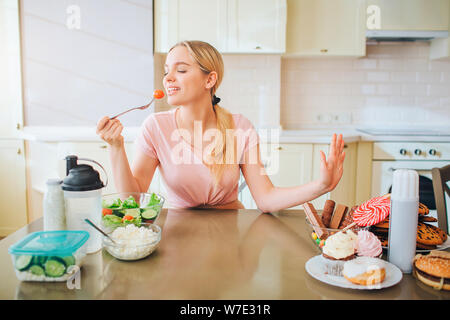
(345, 146)
(19, 151)
(103, 147)
(324, 50)
(280, 148)
(258, 47)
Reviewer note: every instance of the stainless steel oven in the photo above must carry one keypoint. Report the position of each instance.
(419, 156)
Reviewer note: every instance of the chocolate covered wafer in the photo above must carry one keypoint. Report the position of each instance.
(314, 219)
(338, 214)
(327, 212)
(347, 219)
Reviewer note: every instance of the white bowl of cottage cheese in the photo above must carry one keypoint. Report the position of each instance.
(132, 242)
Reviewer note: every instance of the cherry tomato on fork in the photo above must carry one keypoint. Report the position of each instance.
(158, 94)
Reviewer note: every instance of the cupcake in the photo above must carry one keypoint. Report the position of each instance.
(368, 245)
(339, 248)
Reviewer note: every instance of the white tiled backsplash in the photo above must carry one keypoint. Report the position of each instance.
(395, 83)
(251, 86)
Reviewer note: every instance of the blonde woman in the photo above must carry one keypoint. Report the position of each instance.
(197, 148)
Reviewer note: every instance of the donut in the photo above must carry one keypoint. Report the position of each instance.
(372, 211)
(364, 271)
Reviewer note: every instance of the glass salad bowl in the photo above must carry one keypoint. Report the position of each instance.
(124, 208)
(131, 242)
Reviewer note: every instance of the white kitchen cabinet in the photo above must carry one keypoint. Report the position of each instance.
(326, 28)
(363, 171)
(413, 15)
(288, 165)
(10, 75)
(231, 26)
(256, 26)
(189, 20)
(440, 48)
(13, 186)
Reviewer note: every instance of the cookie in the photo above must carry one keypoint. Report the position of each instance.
(423, 209)
(383, 224)
(427, 235)
(384, 242)
(420, 246)
(427, 219)
(379, 230)
(441, 232)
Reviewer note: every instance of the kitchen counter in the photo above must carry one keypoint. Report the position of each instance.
(87, 134)
(207, 254)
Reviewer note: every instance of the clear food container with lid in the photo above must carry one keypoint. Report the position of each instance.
(49, 256)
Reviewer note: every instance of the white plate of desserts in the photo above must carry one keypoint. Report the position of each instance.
(317, 269)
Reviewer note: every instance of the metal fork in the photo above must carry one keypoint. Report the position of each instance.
(140, 108)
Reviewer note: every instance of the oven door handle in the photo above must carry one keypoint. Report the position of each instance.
(391, 169)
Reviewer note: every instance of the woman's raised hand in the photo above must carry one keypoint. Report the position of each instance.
(331, 170)
(110, 131)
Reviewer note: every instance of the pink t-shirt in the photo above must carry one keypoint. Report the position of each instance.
(188, 180)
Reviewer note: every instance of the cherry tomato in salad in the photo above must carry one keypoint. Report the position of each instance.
(106, 211)
(158, 94)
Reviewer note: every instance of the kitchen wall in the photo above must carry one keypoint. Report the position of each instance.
(85, 59)
(251, 86)
(395, 84)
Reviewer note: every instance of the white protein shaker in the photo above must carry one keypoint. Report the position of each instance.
(83, 199)
(403, 219)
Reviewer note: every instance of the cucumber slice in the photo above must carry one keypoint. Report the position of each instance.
(148, 213)
(54, 268)
(39, 260)
(118, 212)
(69, 261)
(135, 212)
(36, 270)
(23, 262)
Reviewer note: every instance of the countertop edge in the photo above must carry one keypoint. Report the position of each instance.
(88, 134)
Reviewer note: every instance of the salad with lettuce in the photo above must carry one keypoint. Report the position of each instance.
(117, 212)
